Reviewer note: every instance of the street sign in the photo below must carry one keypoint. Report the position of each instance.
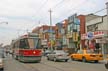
(90, 35)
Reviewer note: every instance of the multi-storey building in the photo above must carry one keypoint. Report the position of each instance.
(45, 34)
(95, 22)
(61, 30)
(73, 32)
(99, 26)
(82, 19)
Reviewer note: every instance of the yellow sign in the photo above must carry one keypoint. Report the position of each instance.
(69, 35)
(52, 42)
(75, 36)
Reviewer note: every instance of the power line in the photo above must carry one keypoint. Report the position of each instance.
(41, 7)
(78, 6)
(99, 11)
(57, 4)
(71, 9)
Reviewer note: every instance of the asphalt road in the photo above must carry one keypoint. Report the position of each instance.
(45, 65)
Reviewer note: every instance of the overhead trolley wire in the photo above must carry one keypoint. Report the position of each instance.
(99, 11)
(58, 4)
(42, 6)
(39, 9)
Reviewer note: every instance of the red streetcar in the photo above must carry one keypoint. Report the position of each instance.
(27, 48)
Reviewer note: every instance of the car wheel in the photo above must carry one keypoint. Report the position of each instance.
(96, 61)
(2, 69)
(72, 58)
(47, 58)
(106, 65)
(66, 60)
(83, 59)
(55, 59)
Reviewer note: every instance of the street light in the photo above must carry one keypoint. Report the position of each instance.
(3, 22)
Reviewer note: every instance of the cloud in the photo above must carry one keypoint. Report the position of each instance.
(25, 14)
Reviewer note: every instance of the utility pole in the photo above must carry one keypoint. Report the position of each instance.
(50, 11)
(107, 11)
(27, 31)
(103, 47)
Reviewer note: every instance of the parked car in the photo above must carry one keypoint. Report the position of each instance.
(86, 55)
(106, 64)
(47, 52)
(58, 55)
(1, 59)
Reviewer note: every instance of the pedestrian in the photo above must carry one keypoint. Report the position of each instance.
(92, 46)
(78, 46)
(97, 47)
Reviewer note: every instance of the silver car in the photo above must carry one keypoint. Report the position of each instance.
(58, 55)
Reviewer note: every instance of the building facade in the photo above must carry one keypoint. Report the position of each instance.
(45, 34)
(73, 32)
(61, 30)
(99, 26)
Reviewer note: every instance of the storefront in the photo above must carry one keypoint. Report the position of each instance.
(99, 37)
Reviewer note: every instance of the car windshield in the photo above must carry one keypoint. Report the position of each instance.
(88, 51)
(1, 53)
(47, 50)
(59, 52)
(91, 52)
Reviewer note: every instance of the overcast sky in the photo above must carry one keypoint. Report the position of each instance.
(26, 14)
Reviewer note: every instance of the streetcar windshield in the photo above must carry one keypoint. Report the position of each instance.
(30, 43)
(34, 43)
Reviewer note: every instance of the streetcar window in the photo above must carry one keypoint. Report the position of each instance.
(23, 44)
(31, 43)
(39, 43)
(35, 42)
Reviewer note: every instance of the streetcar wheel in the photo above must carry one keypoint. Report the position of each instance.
(72, 58)
(96, 61)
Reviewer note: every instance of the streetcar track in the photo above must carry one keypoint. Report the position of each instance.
(52, 66)
(46, 65)
(32, 66)
(26, 66)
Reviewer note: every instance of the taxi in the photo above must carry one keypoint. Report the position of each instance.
(86, 55)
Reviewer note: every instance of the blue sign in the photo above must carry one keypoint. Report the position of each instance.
(76, 21)
(90, 35)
